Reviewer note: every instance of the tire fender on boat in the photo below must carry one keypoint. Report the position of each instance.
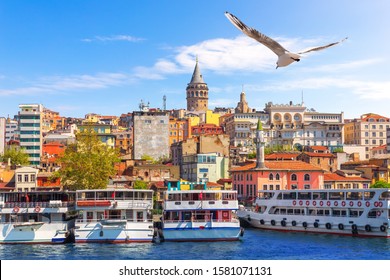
(273, 222)
(294, 223)
(341, 226)
(354, 227)
(367, 228)
(328, 225)
(382, 228)
(262, 222)
(283, 223)
(316, 224)
(304, 224)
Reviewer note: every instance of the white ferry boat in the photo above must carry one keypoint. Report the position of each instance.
(358, 212)
(114, 216)
(36, 217)
(200, 215)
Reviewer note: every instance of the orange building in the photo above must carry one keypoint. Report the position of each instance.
(179, 130)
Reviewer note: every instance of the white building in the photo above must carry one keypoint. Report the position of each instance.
(30, 126)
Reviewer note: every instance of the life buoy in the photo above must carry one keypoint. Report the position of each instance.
(376, 204)
(378, 213)
(16, 209)
(37, 209)
(351, 203)
(307, 203)
(382, 228)
(341, 226)
(262, 222)
(367, 228)
(380, 204)
(283, 223)
(328, 225)
(354, 227)
(328, 203)
(301, 202)
(321, 203)
(294, 202)
(336, 203)
(343, 203)
(359, 203)
(316, 224)
(367, 204)
(273, 222)
(225, 214)
(314, 203)
(294, 223)
(304, 224)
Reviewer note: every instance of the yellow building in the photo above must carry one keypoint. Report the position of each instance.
(212, 118)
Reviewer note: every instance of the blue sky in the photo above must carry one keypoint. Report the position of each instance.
(78, 57)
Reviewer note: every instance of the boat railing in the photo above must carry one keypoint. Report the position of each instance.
(37, 204)
(81, 220)
(201, 220)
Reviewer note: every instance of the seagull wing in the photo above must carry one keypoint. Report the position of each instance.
(323, 47)
(253, 33)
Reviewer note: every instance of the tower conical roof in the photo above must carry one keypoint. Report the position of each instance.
(197, 77)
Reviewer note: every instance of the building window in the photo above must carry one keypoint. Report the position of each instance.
(26, 177)
(32, 177)
(20, 178)
(294, 187)
(307, 187)
(307, 177)
(271, 176)
(265, 187)
(277, 177)
(293, 177)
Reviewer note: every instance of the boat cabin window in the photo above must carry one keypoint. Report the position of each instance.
(372, 214)
(319, 195)
(287, 195)
(129, 195)
(354, 196)
(266, 195)
(323, 212)
(228, 196)
(304, 195)
(368, 195)
(336, 196)
(89, 195)
(384, 196)
(290, 211)
(339, 213)
(299, 211)
(355, 213)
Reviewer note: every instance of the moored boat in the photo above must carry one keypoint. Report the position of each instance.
(36, 217)
(114, 216)
(357, 212)
(200, 215)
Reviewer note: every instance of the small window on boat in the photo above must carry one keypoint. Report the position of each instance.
(384, 196)
(304, 195)
(368, 195)
(371, 214)
(336, 195)
(355, 213)
(289, 195)
(354, 196)
(290, 211)
(319, 195)
(298, 211)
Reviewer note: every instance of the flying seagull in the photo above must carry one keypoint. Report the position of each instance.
(284, 56)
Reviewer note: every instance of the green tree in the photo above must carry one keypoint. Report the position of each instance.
(380, 184)
(18, 156)
(140, 185)
(88, 163)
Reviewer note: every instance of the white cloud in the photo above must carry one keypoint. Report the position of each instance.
(127, 38)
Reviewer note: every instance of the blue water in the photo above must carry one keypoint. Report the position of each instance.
(256, 245)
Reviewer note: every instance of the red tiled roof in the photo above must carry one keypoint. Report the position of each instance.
(337, 177)
(280, 165)
(282, 156)
(212, 184)
(311, 154)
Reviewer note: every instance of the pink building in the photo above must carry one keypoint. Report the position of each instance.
(277, 175)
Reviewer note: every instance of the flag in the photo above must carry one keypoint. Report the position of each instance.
(113, 194)
(27, 198)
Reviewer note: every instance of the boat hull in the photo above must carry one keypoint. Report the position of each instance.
(339, 226)
(96, 232)
(207, 232)
(52, 233)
